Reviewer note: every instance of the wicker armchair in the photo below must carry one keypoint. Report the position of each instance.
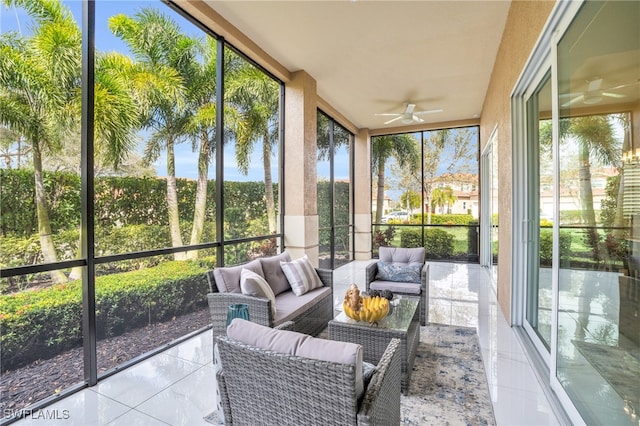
(311, 320)
(258, 386)
(402, 256)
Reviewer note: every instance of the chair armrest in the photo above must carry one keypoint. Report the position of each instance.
(370, 274)
(224, 397)
(381, 402)
(287, 325)
(424, 277)
(259, 310)
(326, 276)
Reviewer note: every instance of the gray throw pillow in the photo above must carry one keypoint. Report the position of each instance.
(228, 277)
(273, 272)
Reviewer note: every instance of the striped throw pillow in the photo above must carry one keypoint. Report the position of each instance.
(301, 275)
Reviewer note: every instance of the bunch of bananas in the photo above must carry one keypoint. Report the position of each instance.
(370, 309)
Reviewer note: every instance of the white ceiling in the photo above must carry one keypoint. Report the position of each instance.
(372, 57)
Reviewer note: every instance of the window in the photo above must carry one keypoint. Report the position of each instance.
(428, 175)
(334, 193)
(137, 210)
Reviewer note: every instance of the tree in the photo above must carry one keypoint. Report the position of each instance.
(40, 98)
(164, 55)
(256, 97)
(441, 197)
(594, 134)
(201, 93)
(446, 151)
(410, 200)
(403, 147)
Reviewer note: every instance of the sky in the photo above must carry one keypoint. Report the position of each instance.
(186, 160)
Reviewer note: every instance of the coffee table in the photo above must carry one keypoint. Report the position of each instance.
(403, 322)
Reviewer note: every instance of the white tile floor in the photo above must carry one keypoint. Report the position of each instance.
(176, 387)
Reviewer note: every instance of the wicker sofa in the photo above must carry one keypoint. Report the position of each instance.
(310, 311)
(276, 377)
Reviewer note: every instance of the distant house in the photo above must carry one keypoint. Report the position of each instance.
(386, 204)
(465, 190)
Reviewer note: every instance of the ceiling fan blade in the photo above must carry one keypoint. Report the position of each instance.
(570, 95)
(393, 119)
(573, 101)
(430, 111)
(410, 108)
(417, 119)
(390, 114)
(613, 95)
(621, 86)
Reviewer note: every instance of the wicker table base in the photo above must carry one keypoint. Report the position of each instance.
(402, 323)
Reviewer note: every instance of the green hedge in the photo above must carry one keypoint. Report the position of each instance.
(118, 200)
(447, 219)
(546, 246)
(438, 243)
(43, 323)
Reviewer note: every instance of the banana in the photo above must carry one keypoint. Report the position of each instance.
(370, 309)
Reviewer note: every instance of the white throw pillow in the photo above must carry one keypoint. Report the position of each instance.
(301, 275)
(253, 284)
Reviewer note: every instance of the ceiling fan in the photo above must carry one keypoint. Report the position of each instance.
(594, 93)
(410, 115)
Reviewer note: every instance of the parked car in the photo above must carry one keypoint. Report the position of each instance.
(399, 216)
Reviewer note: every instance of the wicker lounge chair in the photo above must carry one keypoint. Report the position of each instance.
(259, 386)
(402, 256)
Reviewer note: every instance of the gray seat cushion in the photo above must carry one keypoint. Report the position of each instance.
(289, 306)
(396, 287)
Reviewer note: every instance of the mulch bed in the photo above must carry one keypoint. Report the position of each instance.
(42, 378)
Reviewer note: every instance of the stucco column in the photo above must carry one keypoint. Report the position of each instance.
(362, 195)
(300, 175)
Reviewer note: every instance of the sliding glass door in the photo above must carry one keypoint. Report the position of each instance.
(540, 214)
(576, 237)
(489, 216)
(598, 314)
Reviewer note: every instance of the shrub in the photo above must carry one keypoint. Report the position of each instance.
(447, 219)
(410, 238)
(383, 238)
(438, 243)
(43, 323)
(546, 247)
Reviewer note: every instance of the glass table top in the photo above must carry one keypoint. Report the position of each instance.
(401, 312)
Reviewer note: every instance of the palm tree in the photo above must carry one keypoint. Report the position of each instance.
(441, 197)
(256, 97)
(200, 83)
(595, 137)
(403, 147)
(40, 98)
(161, 50)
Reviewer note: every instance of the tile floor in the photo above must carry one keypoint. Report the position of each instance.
(176, 387)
